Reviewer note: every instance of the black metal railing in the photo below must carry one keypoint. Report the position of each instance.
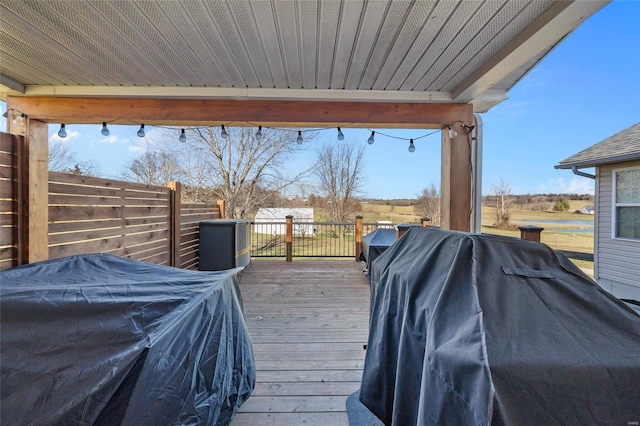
(309, 239)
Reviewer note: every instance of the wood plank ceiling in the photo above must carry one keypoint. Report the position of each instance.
(353, 50)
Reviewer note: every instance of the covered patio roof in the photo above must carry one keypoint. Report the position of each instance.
(401, 51)
(349, 63)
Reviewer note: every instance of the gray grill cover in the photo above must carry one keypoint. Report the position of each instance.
(98, 339)
(482, 329)
(376, 242)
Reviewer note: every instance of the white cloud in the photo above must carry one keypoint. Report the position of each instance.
(114, 139)
(137, 149)
(577, 185)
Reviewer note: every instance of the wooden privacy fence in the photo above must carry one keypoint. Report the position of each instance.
(11, 191)
(88, 215)
(138, 221)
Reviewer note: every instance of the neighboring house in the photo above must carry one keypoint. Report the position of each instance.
(587, 210)
(617, 204)
(272, 221)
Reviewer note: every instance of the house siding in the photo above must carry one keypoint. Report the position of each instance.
(617, 262)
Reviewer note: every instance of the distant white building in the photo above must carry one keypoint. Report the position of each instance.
(587, 210)
(272, 221)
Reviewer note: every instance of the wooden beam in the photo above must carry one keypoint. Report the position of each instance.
(35, 197)
(191, 112)
(455, 198)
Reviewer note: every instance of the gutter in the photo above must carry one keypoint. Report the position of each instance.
(575, 171)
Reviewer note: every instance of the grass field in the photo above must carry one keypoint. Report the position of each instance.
(579, 242)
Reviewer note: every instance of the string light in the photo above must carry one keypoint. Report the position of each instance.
(452, 133)
(5, 114)
(223, 132)
(299, 140)
(105, 129)
(62, 132)
(370, 141)
(183, 136)
(412, 147)
(259, 133)
(340, 134)
(141, 131)
(19, 119)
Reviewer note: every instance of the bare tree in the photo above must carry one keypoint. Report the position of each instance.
(152, 168)
(340, 172)
(60, 157)
(429, 204)
(502, 191)
(247, 172)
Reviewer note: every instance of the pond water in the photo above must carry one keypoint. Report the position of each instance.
(574, 231)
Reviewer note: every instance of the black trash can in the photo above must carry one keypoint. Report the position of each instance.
(224, 244)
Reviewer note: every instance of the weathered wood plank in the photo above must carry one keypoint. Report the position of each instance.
(305, 388)
(308, 321)
(291, 419)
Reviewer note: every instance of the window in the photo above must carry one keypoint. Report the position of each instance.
(626, 203)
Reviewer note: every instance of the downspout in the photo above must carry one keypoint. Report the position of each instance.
(476, 175)
(575, 171)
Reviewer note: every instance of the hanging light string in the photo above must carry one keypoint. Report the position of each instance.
(62, 133)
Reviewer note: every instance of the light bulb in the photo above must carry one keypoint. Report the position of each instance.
(19, 119)
(105, 130)
(141, 131)
(370, 140)
(259, 133)
(62, 132)
(299, 140)
(340, 134)
(452, 133)
(412, 147)
(223, 132)
(5, 114)
(183, 136)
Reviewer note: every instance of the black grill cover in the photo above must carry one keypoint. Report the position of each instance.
(482, 329)
(376, 242)
(98, 339)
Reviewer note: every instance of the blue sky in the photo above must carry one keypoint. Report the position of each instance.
(584, 91)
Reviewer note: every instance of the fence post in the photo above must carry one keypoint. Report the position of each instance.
(358, 237)
(174, 223)
(530, 233)
(425, 221)
(222, 207)
(289, 237)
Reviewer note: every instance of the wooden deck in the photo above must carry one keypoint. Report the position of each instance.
(308, 322)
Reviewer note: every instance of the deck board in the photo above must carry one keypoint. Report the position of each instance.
(308, 322)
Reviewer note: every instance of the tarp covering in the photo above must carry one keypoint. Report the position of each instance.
(376, 242)
(482, 329)
(99, 339)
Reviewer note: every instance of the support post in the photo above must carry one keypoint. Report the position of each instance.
(530, 233)
(456, 179)
(358, 237)
(175, 206)
(222, 207)
(33, 166)
(425, 221)
(289, 237)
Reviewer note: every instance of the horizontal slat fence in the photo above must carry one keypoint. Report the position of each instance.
(9, 200)
(89, 215)
(190, 217)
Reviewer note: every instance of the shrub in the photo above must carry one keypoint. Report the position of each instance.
(561, 205)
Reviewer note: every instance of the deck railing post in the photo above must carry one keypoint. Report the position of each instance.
(289, 237)
(174, 223)
(358, 237)
(530, 233)
(222, 206)
(425, 221)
